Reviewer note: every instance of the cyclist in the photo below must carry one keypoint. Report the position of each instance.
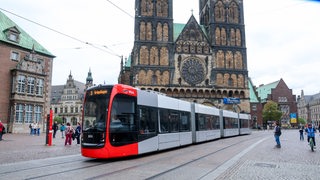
(310, 131)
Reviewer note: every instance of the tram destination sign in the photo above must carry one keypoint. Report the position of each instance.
(231, 100)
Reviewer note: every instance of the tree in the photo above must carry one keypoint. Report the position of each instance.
(302, 121)
(58, 119)
(271, 112)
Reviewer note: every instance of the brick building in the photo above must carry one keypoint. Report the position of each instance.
(278, 92)
(26, 74)
(200, 62)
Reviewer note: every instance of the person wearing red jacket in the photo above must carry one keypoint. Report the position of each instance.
(1, 130)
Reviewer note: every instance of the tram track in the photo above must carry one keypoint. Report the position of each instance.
(125, 165)
(170, 157)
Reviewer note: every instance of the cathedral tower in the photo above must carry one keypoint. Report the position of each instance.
(153, 43)
(202, 62)
(224, 22)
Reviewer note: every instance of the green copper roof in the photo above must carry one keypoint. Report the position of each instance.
(253, 96)
(264, 90)
(25, 40)
(177, 29)
(127, 63)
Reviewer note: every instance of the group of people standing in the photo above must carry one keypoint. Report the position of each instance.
(68, 131)
(34, 129)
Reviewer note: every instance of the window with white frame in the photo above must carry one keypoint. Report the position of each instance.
(29, 111)
(282, 99)
(19, 113)
(21, 84)
(39, 88)
(37, 113)
(254, 108)
(14, 56)
(13, 37)
(30, 86)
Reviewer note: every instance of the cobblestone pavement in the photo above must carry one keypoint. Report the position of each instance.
(294, 160)
(261, 160)
(23, 147)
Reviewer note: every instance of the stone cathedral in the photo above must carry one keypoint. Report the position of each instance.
(201, 62)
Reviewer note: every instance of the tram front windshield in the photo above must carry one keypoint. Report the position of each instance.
(95, 117)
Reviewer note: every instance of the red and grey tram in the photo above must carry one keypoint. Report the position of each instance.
(120, 120)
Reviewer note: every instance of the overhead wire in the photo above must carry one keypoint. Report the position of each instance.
(120, 8)
(109, 51)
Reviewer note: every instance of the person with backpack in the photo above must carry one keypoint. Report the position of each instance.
(277, 134)
(310, 133)
(62, 129)
(78, 133)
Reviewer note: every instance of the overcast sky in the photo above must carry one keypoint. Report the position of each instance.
(282, 37)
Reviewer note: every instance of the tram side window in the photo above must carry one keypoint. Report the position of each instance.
(235, 123)
(244, 123)
(207, 122)
(148, 118)
(169, 121)
(174, 121)
(185, 121)
(200, 119)
(164, 121)
(215, 122)
(230, 123)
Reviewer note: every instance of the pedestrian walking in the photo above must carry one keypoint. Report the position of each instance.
(31, 130)
(277, 134)
(62, 129)
(301, 134)
(78, 133)
(2, 130)
(55, 128)
(69, 131)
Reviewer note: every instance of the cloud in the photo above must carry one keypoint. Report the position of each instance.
(282, 38)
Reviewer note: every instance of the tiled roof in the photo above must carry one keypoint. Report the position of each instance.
(25, 40)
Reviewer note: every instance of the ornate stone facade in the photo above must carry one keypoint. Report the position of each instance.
(26, 73)
(309, 108)
(66, 101)
(202, 63)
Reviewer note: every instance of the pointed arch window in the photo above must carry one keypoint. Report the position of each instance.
(230, 82)
(154, 80)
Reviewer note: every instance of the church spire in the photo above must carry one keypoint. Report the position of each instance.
(89, 79)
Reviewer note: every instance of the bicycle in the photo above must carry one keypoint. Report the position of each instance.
(311, 143)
